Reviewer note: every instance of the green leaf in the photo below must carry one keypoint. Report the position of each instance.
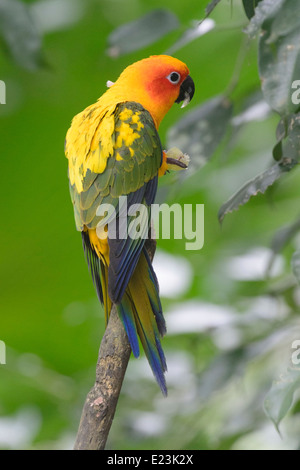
(279, 57)
(288, 139)
(259, 184)
(296, 264)
(286, 20)
(281, 238)
(249, 7)
(201, 130)
(222, 369)
(281, 132)
(252, 108)
(142, 32)
(280, 398)
(291, 145)
(265, 10)
(284, 235)
(19, 34)
(211, 6)
(198, 29)
(277, 151)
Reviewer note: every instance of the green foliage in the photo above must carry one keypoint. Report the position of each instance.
(259, 184)
(279, 57)
(200, 132)
(279, 67)
(284, 236)
(19, 33)
(296, 264)
(280, 398)
(142, 32)
(211, 6)
(267, 9)
(234, 314)
(250, 6)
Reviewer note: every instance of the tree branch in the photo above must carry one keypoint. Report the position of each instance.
(101, 402)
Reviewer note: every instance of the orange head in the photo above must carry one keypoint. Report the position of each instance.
(156, 83)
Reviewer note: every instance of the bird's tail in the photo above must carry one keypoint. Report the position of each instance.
(140, 308)
(141, 313)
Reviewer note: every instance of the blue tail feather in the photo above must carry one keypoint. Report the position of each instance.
(155, 357)
(161, 354)
(141, 313)
(125, 311)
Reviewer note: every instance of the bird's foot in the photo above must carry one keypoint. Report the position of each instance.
(176, 159)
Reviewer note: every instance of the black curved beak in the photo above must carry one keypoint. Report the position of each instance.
(187, 90)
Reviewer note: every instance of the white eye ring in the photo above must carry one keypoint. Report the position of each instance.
(174, 78)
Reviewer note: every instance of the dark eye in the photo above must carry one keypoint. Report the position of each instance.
(174, 77)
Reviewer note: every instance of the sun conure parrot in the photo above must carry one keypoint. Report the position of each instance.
(114, 150)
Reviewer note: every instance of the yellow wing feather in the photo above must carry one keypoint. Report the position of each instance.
(89, 142)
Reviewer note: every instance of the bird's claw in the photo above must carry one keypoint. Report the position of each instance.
(176, 159)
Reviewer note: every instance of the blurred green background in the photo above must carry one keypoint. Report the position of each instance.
(231, 320)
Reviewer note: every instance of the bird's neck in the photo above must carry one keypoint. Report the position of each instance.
(153, 104)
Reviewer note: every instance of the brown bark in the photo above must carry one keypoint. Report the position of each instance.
(100, 405)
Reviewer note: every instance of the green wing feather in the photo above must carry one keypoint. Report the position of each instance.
(128, 168)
